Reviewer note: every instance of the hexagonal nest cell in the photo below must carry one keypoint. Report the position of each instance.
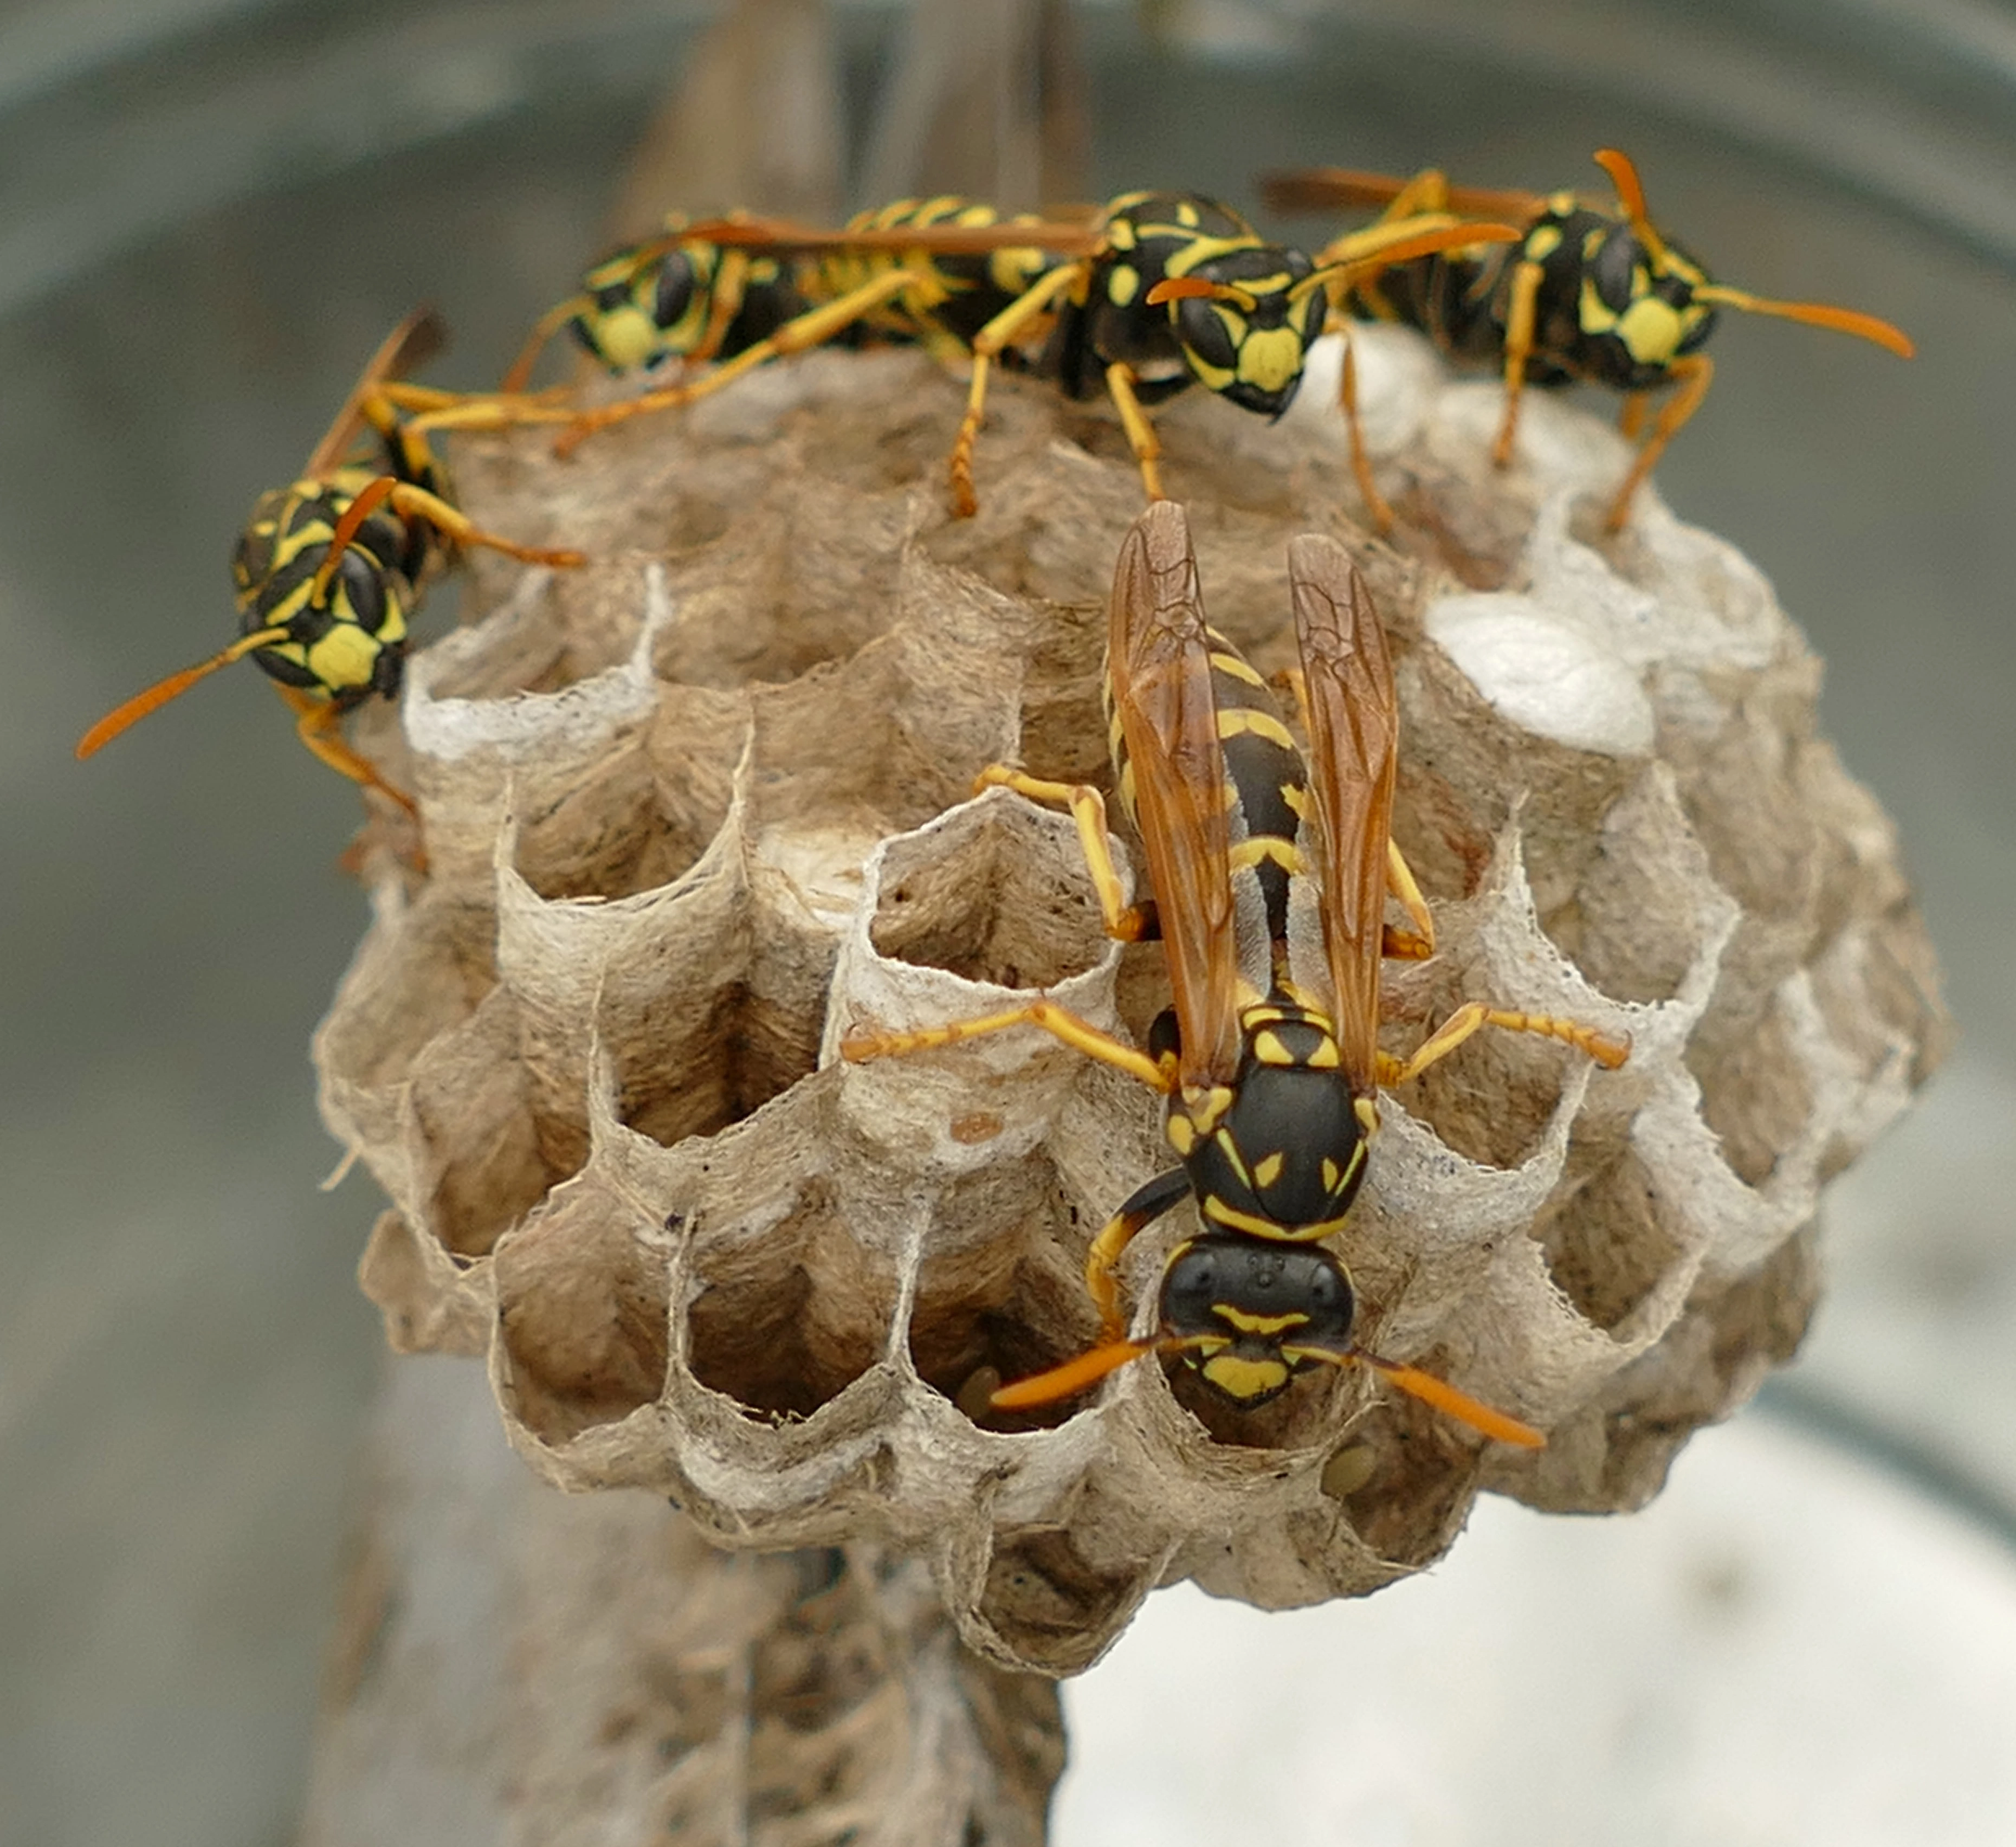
(695, 811)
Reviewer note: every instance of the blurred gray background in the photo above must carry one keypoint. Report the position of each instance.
(211, 210)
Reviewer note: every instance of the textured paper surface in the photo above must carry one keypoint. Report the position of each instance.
(694, 810)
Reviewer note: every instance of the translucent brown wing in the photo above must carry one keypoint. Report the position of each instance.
(1159, 658)
(1324, 188)
(416, 339)
(1354, 745)
(1061, 237)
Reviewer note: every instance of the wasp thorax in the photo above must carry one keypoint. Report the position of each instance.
(697, 812)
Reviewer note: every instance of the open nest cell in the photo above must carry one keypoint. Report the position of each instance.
(692, 814)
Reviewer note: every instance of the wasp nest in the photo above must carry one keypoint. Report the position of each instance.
(693, 811)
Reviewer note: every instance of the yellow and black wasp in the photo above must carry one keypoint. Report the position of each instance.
(1157, 292)
(743, 289)
(1270, 878)
(329, 569)
(675, 297)
(1591, 293)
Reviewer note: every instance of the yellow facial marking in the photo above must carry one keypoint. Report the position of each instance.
(1271, 358)
(1263, 1324)
(626, 338)
(1123, 283)
(343, 658)
(1650, 329)
(1266, 1172)
(1245, 1378)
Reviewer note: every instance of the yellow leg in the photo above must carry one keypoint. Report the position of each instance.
(417, 503)
(1361, 463)
(1140, 433)
(1473, 1015)
(316, 726)
(428, 409)
(1518, 349)
(1059, 1022)
(1693, 375)
(1400, 882)
(1124, 921)
(1102, 1261)
(998, 333)
(813, 328)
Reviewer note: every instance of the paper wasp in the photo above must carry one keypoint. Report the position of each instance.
(328, 571)
(741, 289)
(1158, 292)
(1270, 878)
(1590, 294)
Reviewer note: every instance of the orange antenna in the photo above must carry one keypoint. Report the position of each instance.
(1074, 1375)
(1447, 1399)
(543, 330)
(347, 528)
(158, 695)
(1631, 195)
(1814, 314)
(1195, 288)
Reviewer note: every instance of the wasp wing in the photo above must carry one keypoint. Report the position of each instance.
(1324, 188)
(416, 339)
(1061, 237)
(1354, 724)
(1158, 662)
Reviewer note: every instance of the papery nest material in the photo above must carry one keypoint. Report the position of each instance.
(690, 810)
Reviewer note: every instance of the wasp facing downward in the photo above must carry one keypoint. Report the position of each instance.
(1590, 294)
(329, 569)
(1270, 878)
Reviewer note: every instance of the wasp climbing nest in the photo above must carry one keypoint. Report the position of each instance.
(692, 812)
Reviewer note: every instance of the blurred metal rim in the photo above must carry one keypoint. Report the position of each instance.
(117, 122)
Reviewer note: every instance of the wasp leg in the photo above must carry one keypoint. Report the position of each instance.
(1000, 333)
(1142, 1207)
(1059, 1022)
(1473, 1014)
(1376, 503)
(1141, 436)
(814, 328)
(1419, 945)
(1631, 416)
(1694, 374)
(1125, 923)
(317, 721)
(1518, 349)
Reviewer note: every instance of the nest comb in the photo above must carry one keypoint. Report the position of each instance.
(692, 810)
